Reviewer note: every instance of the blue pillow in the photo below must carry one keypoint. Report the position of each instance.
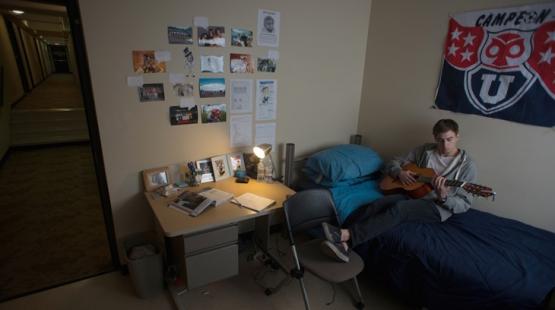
(342, 162)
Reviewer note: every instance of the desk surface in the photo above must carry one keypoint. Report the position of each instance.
(175, 223)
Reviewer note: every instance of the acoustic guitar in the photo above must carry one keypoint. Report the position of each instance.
(422, 186)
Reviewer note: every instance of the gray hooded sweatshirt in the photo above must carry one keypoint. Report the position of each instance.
(462, 168)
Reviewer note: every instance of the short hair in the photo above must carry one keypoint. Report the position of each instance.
(444, 125)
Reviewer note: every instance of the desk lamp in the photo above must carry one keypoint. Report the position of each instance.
(262, 151)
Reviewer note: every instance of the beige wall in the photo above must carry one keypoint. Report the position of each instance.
(33, 57)
(322, 50)
(402, 67)
(13, 90)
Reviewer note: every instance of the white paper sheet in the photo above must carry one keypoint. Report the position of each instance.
(187, 102)
(200, 21)
(268, 28)
(266, 133)
(273, 54)
(135, 81)
(162, 56)
(240, 130)
(177, 78)
(241, 96)
(213, 64)
(266, 99)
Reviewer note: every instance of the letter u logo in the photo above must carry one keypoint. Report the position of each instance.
(504, 83)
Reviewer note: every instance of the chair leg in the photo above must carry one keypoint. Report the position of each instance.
(299, 275)
(360, 303)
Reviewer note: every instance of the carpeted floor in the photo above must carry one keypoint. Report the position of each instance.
(57, 91)
(52, 225)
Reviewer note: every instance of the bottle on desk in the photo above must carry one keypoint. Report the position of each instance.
(260, 171)
(268, 174)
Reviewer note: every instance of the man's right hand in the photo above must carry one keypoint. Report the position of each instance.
(407, 177)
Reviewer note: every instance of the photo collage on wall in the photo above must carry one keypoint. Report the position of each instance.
(250, 100)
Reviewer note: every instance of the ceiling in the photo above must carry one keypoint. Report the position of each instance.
(49, 22)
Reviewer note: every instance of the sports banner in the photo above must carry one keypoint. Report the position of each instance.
(501, 63)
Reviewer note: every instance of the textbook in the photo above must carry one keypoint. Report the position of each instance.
(192, 203)
(253, 202)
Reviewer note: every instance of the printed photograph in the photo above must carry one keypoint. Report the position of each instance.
(151, 92)
(266, 65)
(179, 35)
(145, 62)
(204, 167)
(236, 162)
(211, 36)
(214, 113)
(183, 90)
(183, 116)
(221, 167)
(240, 63)
(211, 87)
(241, 37)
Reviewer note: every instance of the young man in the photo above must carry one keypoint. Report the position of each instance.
(447, 160)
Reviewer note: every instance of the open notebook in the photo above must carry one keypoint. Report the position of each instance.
(253, 202)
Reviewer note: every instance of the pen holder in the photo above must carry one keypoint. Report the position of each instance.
(194, 178)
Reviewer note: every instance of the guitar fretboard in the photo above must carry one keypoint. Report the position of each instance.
(454, 183)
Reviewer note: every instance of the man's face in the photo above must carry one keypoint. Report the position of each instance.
(269, 24)
(447, 143)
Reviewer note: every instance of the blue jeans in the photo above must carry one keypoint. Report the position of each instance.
(386, 213)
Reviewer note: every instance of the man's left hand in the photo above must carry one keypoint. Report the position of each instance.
(441, 190)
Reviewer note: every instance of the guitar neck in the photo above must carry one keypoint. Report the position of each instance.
(453, 183)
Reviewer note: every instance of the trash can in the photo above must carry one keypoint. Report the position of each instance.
(145, 264)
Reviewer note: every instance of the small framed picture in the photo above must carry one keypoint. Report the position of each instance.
(156, 178)
(221, 167)
(204, 167)
(236, 162)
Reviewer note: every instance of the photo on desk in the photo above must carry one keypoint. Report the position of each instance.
(221, 167)
(204, 167)
(156, 178)
(235, 162)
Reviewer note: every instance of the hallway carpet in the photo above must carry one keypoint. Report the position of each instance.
(51, 219)
(57, 91)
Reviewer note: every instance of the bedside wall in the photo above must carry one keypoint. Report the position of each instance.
(402, 69)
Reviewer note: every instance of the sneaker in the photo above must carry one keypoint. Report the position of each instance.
(335, 250)
(332, 233)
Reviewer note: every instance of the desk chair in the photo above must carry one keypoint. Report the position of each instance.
(307, 210)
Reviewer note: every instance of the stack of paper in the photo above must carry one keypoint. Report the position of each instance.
(253, 202)
(218, 196)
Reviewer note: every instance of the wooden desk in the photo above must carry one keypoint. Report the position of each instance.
(204, 248)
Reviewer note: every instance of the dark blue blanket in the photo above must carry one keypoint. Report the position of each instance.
(474, 260)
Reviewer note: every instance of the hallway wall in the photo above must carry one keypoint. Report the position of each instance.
(13, 89)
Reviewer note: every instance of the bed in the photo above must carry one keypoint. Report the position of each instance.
(474, 260)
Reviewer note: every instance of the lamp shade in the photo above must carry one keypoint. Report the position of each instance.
(262, 150)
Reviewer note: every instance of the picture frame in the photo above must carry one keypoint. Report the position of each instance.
(204, 168)
(155, 178)
(236, 162)
(221, 167)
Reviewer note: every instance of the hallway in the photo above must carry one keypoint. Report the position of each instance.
(51, 113)
(58, 91)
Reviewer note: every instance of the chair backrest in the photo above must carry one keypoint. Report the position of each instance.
(309, 208)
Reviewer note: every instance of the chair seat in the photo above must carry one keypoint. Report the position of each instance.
(312, 259)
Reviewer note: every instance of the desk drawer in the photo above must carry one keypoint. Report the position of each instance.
(210, 239)
(212, 266)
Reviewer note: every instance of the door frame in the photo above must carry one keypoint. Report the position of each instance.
(92, 123)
